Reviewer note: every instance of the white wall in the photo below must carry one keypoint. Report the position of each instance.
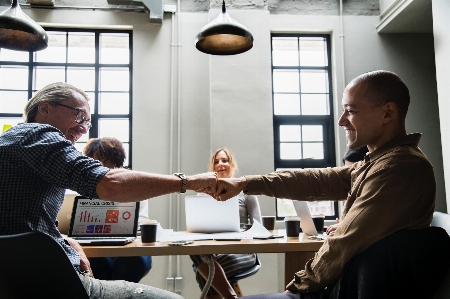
(226, 101)
(441, 28)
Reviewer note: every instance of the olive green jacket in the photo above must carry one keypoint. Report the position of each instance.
(392, 189)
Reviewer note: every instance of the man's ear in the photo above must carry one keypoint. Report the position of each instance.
(43, 109)
(390, 111)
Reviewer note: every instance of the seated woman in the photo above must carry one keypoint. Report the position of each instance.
(227, 265)
(110, 152)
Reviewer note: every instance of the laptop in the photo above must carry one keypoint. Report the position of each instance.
(204, 214)
(98, 222)
(306, 222)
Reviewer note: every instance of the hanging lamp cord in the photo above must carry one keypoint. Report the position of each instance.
(210, 262)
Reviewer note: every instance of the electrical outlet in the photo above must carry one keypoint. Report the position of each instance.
(170, 284)
(178, 284)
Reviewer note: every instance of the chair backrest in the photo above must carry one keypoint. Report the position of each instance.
(246, 273)
(33, 265)
(442, 220)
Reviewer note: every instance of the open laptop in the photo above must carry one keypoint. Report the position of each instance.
(306, 222)
(204, 214)
(98, 222)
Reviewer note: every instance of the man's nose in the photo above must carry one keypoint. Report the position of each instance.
(342, 120)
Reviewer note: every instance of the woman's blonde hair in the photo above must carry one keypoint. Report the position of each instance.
(231, 160)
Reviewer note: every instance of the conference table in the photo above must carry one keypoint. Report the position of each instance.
(297, 250)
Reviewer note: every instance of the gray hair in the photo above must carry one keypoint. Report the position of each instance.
(54, 92)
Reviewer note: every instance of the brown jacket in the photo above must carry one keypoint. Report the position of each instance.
(392, 189)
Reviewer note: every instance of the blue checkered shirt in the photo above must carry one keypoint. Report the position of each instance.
(37, 164)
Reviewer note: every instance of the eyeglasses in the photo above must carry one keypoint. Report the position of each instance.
(81, 115)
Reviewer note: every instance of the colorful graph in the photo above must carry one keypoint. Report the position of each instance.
(86, 217)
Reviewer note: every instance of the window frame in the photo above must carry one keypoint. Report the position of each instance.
(31, 64)
(327, 121)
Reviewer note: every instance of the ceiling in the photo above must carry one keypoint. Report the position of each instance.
(413, 17)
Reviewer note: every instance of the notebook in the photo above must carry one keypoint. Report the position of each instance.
(98, 222)
(306, 222)
(204, 214)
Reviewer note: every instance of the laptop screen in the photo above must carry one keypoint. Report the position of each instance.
(93, 217)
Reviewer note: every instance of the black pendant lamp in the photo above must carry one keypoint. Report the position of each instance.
(224, 36)
(19, 32)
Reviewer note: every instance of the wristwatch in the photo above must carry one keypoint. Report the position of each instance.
(183, 183)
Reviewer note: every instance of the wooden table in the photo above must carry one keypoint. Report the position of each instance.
(297, 250)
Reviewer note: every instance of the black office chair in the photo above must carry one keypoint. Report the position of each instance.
(234, 280)
(442, 220)
(33, 265)
(406, 264)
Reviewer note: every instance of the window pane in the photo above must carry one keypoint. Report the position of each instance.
(289, 151)
(14, 77)
(114, 103)
(313, 81)
(118, 128)
(13, 101)
(321, 207)
(312, 150)
(91, 96)
(313, 51)
(116, 79)
(285, 208)
(81, 47)
(312, 133)
(286, 104)
(126, 147)
(114, 48)
(47, 75)
(285, 81)
(56, 50)
(285, 51)
(290, 133)
(315, 104)
(11, 55)
(83, 78)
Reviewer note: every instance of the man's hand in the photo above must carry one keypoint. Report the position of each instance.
(203, 182)
(84, 262)
(229, 187)
(332, 228)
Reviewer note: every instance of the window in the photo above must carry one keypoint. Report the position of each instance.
(96, 61)
(303, 110)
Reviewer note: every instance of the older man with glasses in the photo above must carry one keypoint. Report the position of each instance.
(39, 161)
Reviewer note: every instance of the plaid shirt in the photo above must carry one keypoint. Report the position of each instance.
(37, 164)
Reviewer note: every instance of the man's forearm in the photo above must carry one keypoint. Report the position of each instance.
(127, 186)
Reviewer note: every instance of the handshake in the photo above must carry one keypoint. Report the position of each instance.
(220, 188)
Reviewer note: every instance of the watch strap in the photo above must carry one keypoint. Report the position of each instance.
(183, 181)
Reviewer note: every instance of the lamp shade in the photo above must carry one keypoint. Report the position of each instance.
(224, 36)
(19, 32)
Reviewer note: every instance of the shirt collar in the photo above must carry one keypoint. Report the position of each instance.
(410, 139)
